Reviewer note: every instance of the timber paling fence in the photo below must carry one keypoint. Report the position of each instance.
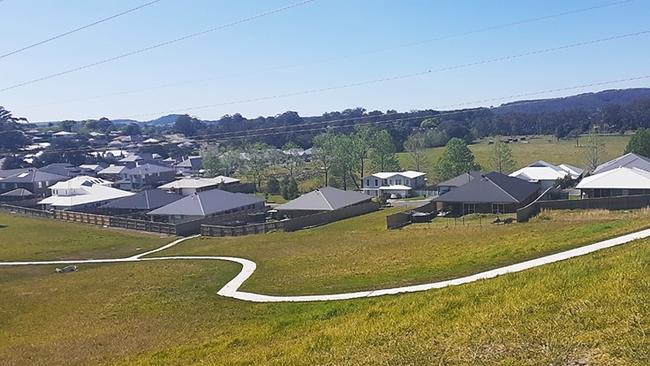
(400, 219)
(605, 203)
(289, 225)
(109, 221)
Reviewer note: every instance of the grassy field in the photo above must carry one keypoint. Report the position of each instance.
(591, 310)
(545, 148)
(23, 239)
(360, 254)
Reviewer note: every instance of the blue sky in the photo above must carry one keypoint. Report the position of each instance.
(239, 60)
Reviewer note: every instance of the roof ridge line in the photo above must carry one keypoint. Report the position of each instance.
(503, 190)
(325, 199)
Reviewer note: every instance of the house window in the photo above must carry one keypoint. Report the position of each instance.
(384, 182)
(367, 182)
(398, 181)
(390, 182)
(469, 208)
(498, 208)
(408, 182)
(376, 182)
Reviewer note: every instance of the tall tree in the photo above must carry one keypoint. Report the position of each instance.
(323, 153)
(383, 155)
(257, 161)
(501, 159)
(290, 160)
(594, 150)
(640, 143)
(362, 141)
(455, 160)
(416, 144)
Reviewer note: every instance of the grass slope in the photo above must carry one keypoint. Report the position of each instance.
(593, 309)
(544, 148)
(360, 254)
(39, 239)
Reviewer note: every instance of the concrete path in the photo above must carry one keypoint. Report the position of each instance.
(231, 289)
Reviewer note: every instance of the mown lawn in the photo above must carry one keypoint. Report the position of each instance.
(545, 148)
(23, 238)
(360, 254)
(592, 310)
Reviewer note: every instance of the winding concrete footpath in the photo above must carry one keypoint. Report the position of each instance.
(231, 289)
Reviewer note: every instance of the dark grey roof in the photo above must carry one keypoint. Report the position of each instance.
(207, 203)
(630, 160)
(64, 169)
(324, 199)
(193, 162)
(33, 175)
(492, 188)
(148, 169)
(9, 172)
(145, 200)
(461, 179)
(18, 192)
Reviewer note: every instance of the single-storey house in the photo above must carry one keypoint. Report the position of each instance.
(143, 201)
(82, 193)
(629, 160)
(546, 174)
(208, 204)
(393, 184)
(621, 181)
(321, 200)
(190, 166)
(18, 194)
(65, 169)
(32, 180)
(458, 181)
(491, 193)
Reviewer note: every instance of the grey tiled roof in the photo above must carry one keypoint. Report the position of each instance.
(324, 199)
(34, 176)
(492, 188)
(207, 203)
(145, 200)
(628, 161)
(461, 179)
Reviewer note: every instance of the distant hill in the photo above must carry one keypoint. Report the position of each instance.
(164, 120)
(586, 101)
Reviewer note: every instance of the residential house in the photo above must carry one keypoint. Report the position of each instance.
(65, 169)
(145, 176)
(83, 194)
(459, 181)
(321, 200)
(546, 174)
(140, 202)
(491, 193)
(621, 181)
(112, 172)
(91, 169)
(393, 184)
(190, 166)
(208, 204)
(629, 160)
(33, 180)
(18, 194)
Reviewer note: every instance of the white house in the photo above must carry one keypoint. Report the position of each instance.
(82, 193)
(393, 184)
(621, 181)
(546, 174)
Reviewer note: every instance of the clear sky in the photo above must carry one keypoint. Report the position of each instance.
(239, 61)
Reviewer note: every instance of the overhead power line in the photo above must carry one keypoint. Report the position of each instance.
(399, 77)
(158, 45)
(47, 40)
(331, 124)
(343, 57)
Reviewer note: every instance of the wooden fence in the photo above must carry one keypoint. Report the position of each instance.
(26, 211)
(606, 203)
(293, 224)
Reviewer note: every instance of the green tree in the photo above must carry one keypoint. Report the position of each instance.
(323, 153)
(455, 160)
(415, 144)
(290, 160)
(272, 185)
(289, 188)
(501, 159)
(639, 143)
(384, 154)
(362, 146)
(594, 150)
(257, 161)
